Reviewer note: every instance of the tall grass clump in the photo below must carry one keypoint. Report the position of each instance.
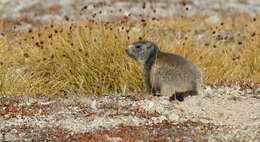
(89, 57)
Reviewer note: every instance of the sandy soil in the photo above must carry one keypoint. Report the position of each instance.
(218, 114)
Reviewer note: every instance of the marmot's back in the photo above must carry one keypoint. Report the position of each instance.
(176, 72)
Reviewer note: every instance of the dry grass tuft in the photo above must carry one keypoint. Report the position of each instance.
(89, 57)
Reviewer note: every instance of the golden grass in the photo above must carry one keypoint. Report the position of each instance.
(89, 58)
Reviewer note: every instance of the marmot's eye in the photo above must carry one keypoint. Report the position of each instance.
(138, 46)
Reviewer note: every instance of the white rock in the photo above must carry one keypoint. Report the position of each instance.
(213, 19)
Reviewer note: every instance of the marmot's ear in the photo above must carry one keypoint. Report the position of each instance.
(152, 46)
(149, 45)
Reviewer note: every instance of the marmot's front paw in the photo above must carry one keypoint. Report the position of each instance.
(178, 96)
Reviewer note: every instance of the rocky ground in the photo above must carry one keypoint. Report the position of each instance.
(25, 14)
(218, 114)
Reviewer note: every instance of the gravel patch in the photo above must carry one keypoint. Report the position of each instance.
(222, 114)
(27, 13)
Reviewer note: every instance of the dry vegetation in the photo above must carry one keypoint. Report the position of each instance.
(89, 56)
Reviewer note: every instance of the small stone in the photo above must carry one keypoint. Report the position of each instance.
(13, 131)
(257, 91)
(248, 91)
(113, 139)
(174, 117)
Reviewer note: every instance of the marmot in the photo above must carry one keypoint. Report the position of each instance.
(165, 73)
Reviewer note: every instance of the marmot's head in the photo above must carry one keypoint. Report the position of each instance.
(142, 50)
